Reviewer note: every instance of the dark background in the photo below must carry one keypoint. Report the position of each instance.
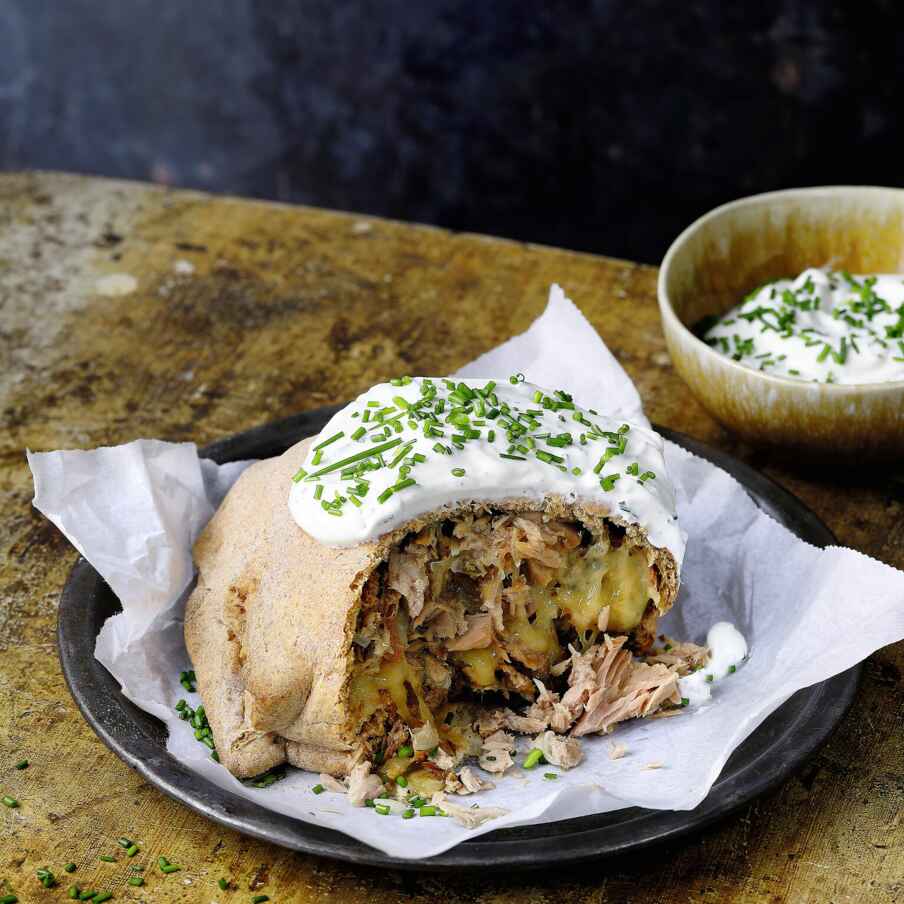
(606, 126)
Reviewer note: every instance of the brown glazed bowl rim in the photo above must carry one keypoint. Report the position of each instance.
(790, 384)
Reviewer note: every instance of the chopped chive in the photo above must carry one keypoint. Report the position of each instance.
(9, 899)
(550, 775)
(69, 867)
(408, 814)
(318, 455)
(73, 893)
(512, 457)
(22, 764)
(132, 850)
(401, 781)
(102, 896)
(608, 482)
(405, 751)
(318, 789)
(428, 810)
(87, 895)
(709, 679)
(300, 474)
(685, 701)
(382, 809)
(532, 758)
(318, 491)
(107, 858)
(127, 842)
(170, 868)
(259, 899)
(360, 456)
(223, 884)
(327, 442)
(10, 802)
(458, 472)
(136, 881)
(359, 433)
(732, 669)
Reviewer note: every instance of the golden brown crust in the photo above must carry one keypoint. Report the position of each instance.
(269, 626)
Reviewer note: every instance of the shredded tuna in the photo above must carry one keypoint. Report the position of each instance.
(442, 759)
(523, 724)
(408, 576)
(478, 636)
(683, 658)
(489, 721)
(550, 710)
(626, 690)
(362, 785)
(466, 816)
(472, 783)
(332, 784)
(564, 752)
(496, 752)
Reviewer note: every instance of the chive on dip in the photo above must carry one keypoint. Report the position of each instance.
(824, 326)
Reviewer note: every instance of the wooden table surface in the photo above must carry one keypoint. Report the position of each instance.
(244, 312)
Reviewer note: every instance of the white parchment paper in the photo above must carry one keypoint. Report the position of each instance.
(133, 511)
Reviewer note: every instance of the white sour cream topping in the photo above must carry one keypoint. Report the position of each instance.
(824, 326)
(558, 453)
(728, 650)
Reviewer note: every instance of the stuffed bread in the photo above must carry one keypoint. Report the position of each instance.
(385, 592)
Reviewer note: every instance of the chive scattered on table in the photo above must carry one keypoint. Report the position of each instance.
(22, 764)
(10, 802)
(136, 881)
(533, 757)
(69, 867)
(224, 885)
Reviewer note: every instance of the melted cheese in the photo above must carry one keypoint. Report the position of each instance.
(479, 666)
(538, 635)
(618, 578)
(392, 675)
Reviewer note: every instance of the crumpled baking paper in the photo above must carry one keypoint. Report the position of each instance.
(133, 511)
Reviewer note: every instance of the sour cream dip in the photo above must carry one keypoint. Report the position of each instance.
(824, 326)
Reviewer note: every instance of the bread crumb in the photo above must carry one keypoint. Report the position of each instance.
(649, 766)
(617, 751)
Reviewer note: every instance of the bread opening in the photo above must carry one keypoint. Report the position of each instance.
(472, 610)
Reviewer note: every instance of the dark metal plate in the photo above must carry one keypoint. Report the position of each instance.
(772, 753)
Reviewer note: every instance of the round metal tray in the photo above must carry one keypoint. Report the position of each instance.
(772, 753)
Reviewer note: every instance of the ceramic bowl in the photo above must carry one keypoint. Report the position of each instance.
(733, 249)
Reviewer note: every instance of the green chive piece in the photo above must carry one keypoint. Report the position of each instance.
(327, 442)
(136, 881)
(417, 801)
(385, 495)
(401, 781)
(732, 669)
(107, 858)
(685, 701)
(132, 850)
(87, 895)
(300, 474)
(69, 867)
(170, 868)
(318, 455)
(9, 899)
(408, 814)
(223, 884)
(22, 764)
(532, 758)
(103, 896)
(406, 751)
(552, 776)
(259, 899)
(359, 433)
(709, 679)
(429, 810)
(10, 802)
(318, 789)
(73, 892)
(458, 472)
(382, 809)
(360, 456)
(318, 491)
(127, 842)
